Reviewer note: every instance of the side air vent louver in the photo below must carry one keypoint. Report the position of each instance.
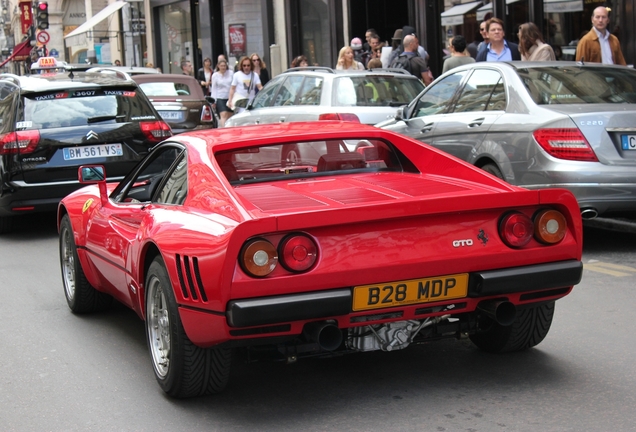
(186, 269)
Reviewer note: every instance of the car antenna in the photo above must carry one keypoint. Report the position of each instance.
(71, 75)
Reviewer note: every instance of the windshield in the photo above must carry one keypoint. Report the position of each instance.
(375, 90)
(64, 108)
(579, 85)
(310, 159)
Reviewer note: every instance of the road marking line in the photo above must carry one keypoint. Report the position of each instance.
(600, 268)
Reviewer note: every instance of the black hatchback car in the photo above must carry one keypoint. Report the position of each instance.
(50, 124)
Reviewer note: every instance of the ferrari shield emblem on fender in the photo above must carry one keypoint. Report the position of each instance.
(87, 204)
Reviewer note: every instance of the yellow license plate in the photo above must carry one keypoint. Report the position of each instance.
(410, 292)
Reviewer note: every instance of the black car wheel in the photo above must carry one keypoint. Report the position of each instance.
(181, 368)
(80, 295)
(6, 222)
(492, 169)
(530, 327)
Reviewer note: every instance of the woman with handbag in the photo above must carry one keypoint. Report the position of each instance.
(244, 82)
(204, 75)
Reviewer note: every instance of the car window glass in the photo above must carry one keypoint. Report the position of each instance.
(165, 89)
(310, 91)
(308, 159)
(175, 187)
(141, 184)
(367, 90)
(82, 107)
(266, 96)
(8, 94)
(478, 90)
(288, 91)
(437, 97)
(579, 85)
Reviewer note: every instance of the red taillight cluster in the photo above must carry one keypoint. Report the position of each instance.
(296, 252)
(565, 143)
(19, 142)
(155, 131)
(339, 116)
(206, 114)
(547, 226)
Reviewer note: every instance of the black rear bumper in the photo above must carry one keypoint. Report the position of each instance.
(323, 304)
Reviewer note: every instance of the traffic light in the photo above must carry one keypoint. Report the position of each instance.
(42, 15)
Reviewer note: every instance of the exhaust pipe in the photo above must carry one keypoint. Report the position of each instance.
(503, 312)
(325, 333)
(589, 213)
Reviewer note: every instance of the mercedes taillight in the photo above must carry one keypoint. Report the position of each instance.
(155, 131)
(19, 142)
(565, 143)
(339, 116)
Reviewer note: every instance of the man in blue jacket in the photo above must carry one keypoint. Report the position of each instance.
(498, 48)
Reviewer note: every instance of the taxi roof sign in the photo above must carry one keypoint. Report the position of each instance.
(47, 62)
(48, 65)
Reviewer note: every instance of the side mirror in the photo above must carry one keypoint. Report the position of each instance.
(400, 114)
(210, 100)
(90, 174)
(241, 103)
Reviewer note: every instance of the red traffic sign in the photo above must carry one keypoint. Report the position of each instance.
(43, 37)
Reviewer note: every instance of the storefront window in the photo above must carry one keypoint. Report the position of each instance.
(176, 36)
(314, 26)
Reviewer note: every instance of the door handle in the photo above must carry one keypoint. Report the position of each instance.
(427, 127)
(476, 122)
(282, 120)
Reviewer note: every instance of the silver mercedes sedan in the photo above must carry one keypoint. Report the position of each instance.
(537, 125)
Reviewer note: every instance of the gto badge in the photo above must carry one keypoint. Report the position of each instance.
(87, 204)
(459, 243)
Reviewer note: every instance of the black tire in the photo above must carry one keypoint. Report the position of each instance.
(80, 295)
(6, 223)
(182, 369)
(530, 327)
(290, 155)
(492, 169)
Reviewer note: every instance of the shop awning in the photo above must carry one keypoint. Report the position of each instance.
(482, 11)
(21, 51)
(455, 15)
(97, 18)
(558, 6)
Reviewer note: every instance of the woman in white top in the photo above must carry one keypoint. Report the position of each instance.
(244, 82)
(346, 60)
(220, 86)
(531, 45)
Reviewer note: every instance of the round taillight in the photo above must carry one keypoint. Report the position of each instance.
(259, 257)
(516, 230)
(298, 252)
(549, 226)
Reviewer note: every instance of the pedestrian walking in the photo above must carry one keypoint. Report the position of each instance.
(220, 90)
(204, 75)
(531, 45)
(599, 45)
(459, 55)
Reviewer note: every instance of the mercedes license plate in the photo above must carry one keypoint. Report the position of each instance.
(628, 142)
(94, 151)
(410, 292)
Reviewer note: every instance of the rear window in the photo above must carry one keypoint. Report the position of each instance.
(166, 89)
(579, 85)
(310, 159)
(65, 108)
(375, 91)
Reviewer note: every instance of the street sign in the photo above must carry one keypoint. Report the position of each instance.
(43, 37)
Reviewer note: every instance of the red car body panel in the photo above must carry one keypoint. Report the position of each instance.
(370, 228)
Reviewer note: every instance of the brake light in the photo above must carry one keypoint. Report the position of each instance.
(339, 116)
(298, 252)
(19, 142)
(258, 257)
(155, 131)
(549, 226)
(565, 143)
(206, 114)
(516, 229)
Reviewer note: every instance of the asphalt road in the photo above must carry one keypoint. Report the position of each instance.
(61, 372)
